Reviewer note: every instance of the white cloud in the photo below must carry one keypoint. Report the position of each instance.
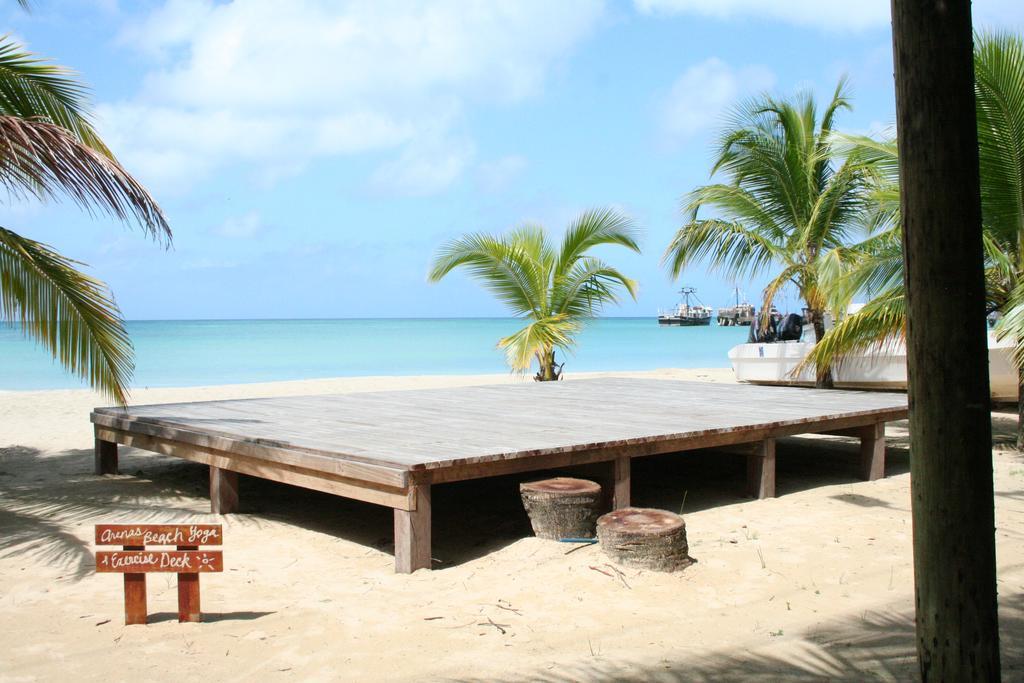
(498, 174)
(834, 15)
(830, 14)
(704, 91)
(241, 227)
(424, 168)
(278, 84)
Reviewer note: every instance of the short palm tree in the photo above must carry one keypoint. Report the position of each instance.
(49, 149)
(787, 206)
(556, 288)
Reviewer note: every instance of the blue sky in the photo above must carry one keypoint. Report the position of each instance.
(311, 156)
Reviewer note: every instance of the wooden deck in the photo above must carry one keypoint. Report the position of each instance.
(390, 447)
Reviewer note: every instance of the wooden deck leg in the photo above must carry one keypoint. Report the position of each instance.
(223, 491)
(105, 457)
(188, 594)
(134, 594)
(621, 483)
(872, 451)
(412, 534)
(761, 470)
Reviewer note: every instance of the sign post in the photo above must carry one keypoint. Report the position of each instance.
(135, 561)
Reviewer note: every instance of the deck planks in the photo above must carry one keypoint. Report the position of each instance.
(438, 428)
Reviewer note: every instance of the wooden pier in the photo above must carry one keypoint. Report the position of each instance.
(389, 447)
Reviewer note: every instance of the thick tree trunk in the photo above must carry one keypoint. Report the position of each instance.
(947, 359)
(823, 377)
(562, 507)
(645, 538)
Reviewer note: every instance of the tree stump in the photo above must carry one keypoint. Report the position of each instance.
(644, 538)
(562, 507)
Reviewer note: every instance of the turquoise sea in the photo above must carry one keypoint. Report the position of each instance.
(205, 352)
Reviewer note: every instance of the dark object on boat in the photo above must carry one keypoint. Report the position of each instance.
(686, 314)
(780, 328)
(645, 538)
(562, 507)
(792, 328)
(764, 336)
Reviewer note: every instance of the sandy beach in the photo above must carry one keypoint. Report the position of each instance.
(815, 584)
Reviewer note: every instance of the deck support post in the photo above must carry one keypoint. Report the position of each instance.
(223, 491)
(872, 451)
(105, 457)
(412, 533)
(621, 482)
(761, 470)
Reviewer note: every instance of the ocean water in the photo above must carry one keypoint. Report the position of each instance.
(205, 352)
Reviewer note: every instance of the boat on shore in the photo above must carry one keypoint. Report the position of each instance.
(686, 314)
(877, 367)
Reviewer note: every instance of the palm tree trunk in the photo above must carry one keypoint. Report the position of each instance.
(823, 376)
(947, 358)
(546, 359)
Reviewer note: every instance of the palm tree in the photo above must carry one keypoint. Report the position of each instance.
(999, 97)
(787, 205)
(50, 149)
(875, 265)
(556, 289)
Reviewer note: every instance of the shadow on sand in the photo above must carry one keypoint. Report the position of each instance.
(866, 646)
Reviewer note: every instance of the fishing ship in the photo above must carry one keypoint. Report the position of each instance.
(686, 314)
(742, 313)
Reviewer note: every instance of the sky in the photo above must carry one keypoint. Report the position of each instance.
(311, 156)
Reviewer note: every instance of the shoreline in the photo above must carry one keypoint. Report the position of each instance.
(716, 374)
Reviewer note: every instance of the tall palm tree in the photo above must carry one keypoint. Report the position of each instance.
(787, 205)
(556, 288)
(875, 265)
(49, 149)
(999, 97)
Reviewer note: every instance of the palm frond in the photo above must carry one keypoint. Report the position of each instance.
(69, 313)
(732, 248)
(34, 88)
(43, 160)
(585, 289)
(595, 228)
(537, 337)
(504, 267)
(999, 96)
(880, 321)
(1011, 325)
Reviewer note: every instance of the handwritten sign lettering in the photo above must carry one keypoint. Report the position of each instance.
(178, 561)
(159, 534)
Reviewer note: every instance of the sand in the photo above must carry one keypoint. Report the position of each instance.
(815, 584)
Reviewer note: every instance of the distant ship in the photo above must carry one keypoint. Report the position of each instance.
(686, 314)
(740, 314)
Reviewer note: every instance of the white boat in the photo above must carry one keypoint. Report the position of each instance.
(882, 367)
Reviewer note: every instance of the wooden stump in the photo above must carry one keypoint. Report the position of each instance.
(562, 507)
(649, 539)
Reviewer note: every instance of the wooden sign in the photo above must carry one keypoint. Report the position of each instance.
(180, 561)
(159, 534)
(134, 561)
